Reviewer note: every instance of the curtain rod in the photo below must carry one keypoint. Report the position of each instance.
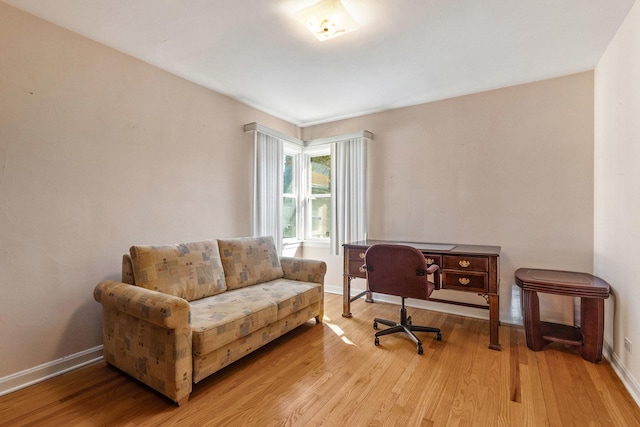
(257, 127)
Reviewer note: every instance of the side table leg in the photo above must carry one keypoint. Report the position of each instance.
(531, 314)
(592, 328)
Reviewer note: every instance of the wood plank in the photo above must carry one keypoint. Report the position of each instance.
(332, 374)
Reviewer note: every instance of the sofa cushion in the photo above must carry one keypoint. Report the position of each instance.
(249, 260)
(289, 295)
(220, 319)
(188, 270)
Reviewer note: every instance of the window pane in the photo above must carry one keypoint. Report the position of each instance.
(288, 217)
(320, 217)
(321, 175)
(288, 175)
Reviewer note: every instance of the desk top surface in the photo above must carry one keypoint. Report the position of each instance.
(439, 248)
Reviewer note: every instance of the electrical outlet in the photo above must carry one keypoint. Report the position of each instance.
(627, 345)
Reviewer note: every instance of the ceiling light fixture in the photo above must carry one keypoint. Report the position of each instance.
(327, 19)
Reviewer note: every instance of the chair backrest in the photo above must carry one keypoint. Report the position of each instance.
(397, 270)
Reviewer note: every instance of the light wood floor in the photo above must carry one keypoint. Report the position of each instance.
(333, 375)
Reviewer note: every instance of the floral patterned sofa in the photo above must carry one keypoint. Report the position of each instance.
(185, 311)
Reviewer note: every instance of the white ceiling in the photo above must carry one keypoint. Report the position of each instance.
(407, 51)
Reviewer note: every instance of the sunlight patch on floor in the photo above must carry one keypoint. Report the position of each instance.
(338, 331)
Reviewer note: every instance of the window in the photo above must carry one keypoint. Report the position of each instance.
(318, 218)
(314, 190)
(291, 193)
(289, 200)
(306, 194)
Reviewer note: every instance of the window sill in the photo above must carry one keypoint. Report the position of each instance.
(289, 244)
(315, 244)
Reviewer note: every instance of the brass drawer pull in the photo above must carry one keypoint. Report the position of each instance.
(464, 263)
(464, 281)
(361, 255)
(362, 269)
(430, 261)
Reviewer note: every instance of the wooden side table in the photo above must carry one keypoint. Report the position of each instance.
(592, 292)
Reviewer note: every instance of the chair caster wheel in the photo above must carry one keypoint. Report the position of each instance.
(439, 337)
(376, 341)
(375, 325)
(420, 351)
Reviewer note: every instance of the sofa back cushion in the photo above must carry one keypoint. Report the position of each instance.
(249, 260)
(187, 270)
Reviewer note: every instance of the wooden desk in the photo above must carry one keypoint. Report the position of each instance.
(465, 268)
(592, 292)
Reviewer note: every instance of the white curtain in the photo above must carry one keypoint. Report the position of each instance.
(349, 189)
(267, 187)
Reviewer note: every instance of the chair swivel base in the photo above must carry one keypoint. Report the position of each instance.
(406, 327)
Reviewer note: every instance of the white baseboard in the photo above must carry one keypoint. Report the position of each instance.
(333, 289)
(48, 370)
(625, 376)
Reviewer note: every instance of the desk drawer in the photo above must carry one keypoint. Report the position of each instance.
(355, 268)
(469, 281)
(355, 261)
(357, 254)
(433, 259)
(466, 263)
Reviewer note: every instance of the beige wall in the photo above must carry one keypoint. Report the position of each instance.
(99, 151)
(511, 167)
(617, 188)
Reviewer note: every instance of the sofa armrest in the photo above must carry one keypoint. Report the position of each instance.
(305, 270)
(166, 311)
(147, 334)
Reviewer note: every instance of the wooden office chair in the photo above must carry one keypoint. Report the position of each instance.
(402, 271)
